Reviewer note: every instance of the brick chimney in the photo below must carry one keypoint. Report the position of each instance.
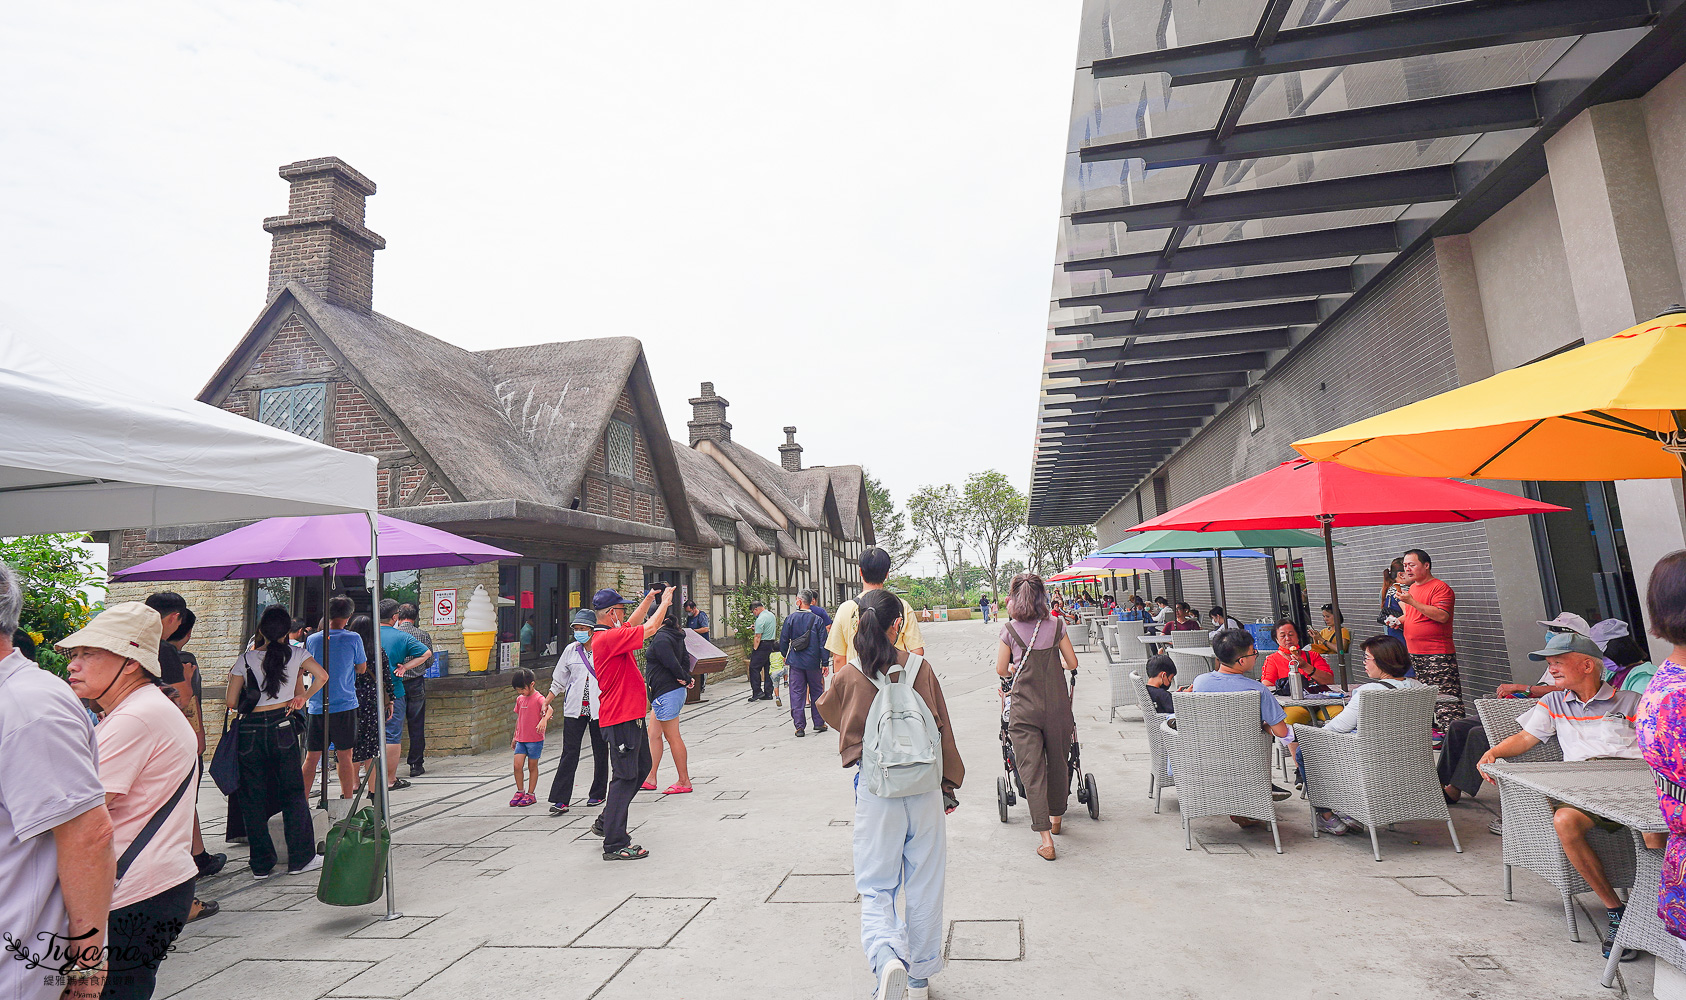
(790, 453)
(708, 417)
(321, 242)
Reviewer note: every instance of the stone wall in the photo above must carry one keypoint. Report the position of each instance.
(464, 579)
(473, 713)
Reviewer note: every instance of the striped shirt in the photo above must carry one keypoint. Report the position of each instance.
(1602, 727)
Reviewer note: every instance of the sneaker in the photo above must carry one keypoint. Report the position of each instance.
(1628, 954)
(314, 864)
(801, 733)
(258, 876)
(517, 799)
(1352, 825)
(416, 770)
(209, 864)
(1496, 828)
(597, 827)
(777, 700)
(918, 989)
(557, 810)
(754, 698)
(203, 908)
(892, 981)
(1331, 824)
(593, 802)
(528, 798)
(1279, 794)
(822, 729)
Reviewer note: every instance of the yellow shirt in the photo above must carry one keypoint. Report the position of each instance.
(1325, 641)
(842, 638)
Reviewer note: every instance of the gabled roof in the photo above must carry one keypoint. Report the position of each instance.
(811, 490)
(770, 479)
(713, 492)
(848, 484)
(516, 423)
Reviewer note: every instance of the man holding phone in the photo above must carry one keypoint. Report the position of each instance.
(1428, 604)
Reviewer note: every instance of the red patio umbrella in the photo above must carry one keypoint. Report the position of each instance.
(1324, 495)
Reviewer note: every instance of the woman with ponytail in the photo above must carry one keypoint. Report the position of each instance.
(900, 844)
(267, 688)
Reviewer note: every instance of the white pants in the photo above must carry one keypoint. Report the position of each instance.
(901, 845)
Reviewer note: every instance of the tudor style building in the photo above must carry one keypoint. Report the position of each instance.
(557, 451)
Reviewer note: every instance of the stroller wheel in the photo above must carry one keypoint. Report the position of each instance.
(1083, 793)
(1092, 796)
(1003, 797)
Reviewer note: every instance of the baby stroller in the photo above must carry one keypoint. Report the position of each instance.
(1007, 792)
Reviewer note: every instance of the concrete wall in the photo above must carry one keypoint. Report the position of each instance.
(1522, 272)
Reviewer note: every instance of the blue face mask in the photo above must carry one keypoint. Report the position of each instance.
(582, 636)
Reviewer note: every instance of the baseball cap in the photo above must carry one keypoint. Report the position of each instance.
(605, 599)
(1567, 642)
(131, 630)
(1609, 628)
(1571, 621)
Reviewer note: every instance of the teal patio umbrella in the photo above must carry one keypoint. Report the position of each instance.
(1212, 544)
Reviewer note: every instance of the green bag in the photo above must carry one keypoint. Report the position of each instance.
(354, 869)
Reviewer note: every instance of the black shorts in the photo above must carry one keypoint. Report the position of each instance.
(342, 731)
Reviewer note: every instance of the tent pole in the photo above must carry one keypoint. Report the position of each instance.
(1334, 595)
(374, 573)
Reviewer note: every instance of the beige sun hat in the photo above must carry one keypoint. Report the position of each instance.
(131, 630)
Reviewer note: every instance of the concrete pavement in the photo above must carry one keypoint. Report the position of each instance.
(748, 888)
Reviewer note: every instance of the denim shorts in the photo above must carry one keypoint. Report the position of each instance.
(395, 725)
(531, 751)
(667, 706)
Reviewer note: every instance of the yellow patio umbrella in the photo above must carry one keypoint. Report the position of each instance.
(1613, 409)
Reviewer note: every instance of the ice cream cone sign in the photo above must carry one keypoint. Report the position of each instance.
(479, 629)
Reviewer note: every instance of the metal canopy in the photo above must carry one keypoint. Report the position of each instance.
(1225, 196)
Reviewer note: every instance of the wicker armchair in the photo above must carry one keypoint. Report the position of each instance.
(1159, 775)
(1079, 635)
(1641, 927)
(1382, 773)
(1530, 835)
(1221, 756)
(1118, 674)
(1189, 666)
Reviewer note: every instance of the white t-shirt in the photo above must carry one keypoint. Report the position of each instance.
(253, 659)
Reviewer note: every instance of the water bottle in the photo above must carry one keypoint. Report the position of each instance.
(1296, 684)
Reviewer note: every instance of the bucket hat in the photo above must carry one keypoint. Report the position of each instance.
(131, 630)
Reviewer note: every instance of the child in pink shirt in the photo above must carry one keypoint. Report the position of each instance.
(532, 713)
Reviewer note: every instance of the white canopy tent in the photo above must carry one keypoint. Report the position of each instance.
(79, 453)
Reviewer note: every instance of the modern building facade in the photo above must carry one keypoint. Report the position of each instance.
(1286, 215)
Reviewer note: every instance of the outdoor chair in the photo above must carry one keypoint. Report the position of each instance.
(1221, 756)
(1641, 927)
(1079, 635)
(1530, 836)
(1189, 666)
(1158, 775)
(1118, 677)
(1384, 772)
(1126, 641)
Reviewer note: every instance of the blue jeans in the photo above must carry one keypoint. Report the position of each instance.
(901, 847)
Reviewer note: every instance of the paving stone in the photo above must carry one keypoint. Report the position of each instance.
(489, 973)
(642, 922)
(1429, 885)
(815, 889)
(456, 830)
(398, 927)
(473, 853)
(726, 796)
(272, 979)
(403, 971)
(1222, 848)
(986, 940)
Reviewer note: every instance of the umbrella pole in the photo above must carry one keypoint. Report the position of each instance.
(1219, 559)
(327, 658)
(1334, 595)
(374, 573)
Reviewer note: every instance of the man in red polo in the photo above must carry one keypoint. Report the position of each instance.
(621, 709)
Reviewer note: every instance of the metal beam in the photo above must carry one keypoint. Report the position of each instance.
(1448, 27)
(1144, 387)
(1184, 347)
(1079, 445)
(1430, 118)
(1077, 407)
(1287, 285)
(1112, 452)
(1257, 317)
(1343, 194)
(1319, 244)
(1128, 371)
(1152, 416)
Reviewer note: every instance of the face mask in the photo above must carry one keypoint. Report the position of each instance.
(582, 637)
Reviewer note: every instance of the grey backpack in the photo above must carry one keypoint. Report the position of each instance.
(901, 748)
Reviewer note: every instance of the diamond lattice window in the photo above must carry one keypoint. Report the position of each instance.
(297, 409)
(617, 448)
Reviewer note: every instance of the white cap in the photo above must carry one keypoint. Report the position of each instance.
(1569, 621)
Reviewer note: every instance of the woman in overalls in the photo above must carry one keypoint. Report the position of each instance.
(1034, 644)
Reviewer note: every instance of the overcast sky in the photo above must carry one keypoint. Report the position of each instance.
(842, 215)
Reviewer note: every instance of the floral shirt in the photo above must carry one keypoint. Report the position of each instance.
(1662, 739)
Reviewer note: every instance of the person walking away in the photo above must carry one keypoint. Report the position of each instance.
(150, 773)
(371, 714)
(415, 691)
(900, 841)
(346, 661)
(1393, 613)
(1034, 645)
(56, 861)
(532, 714)
(840, 643)
(667, 678)
(802, 643)
(266, 687)
(576, 684)
(763, 639)
(622, 713)
(1427, 624)
(1661, 728)
(404, 655)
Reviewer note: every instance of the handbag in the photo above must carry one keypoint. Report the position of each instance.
(354, 866)
(225, 760)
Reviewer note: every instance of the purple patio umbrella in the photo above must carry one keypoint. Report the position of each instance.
(1151, 564)
(329, 544)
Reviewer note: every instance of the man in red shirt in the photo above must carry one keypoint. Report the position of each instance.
(1428, 634)
(621, 708)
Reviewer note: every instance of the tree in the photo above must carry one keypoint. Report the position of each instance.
(1008, 570)
(889, 524)
(56, 573)
(937, 516)
(994, 512)
(1054, 548)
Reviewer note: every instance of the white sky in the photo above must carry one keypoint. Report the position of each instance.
(843, 215)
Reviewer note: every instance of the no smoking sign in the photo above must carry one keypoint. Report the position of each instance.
(444, 607)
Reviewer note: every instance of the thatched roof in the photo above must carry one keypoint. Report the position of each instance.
(848, 484)
(771, 479)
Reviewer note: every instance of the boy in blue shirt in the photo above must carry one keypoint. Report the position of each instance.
(345, 648)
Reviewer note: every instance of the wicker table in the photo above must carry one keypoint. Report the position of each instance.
(1622, 791)
(1151, 640)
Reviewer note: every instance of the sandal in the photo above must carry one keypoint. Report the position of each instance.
(1047, 853)
(648, 786)
(631, 852)
(401, 783)
(677, 789)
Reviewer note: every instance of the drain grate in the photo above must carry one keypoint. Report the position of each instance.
(842, 822)
(1481, 963)
(734, 816)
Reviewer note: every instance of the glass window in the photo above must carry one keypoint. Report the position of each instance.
(617, 448)
(296, 409)
(403, 586)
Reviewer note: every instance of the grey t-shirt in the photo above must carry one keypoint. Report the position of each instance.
(50, 777)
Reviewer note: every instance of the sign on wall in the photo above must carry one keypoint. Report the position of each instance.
(444, 607)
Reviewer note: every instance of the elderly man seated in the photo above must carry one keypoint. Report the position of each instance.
(1591, 721)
